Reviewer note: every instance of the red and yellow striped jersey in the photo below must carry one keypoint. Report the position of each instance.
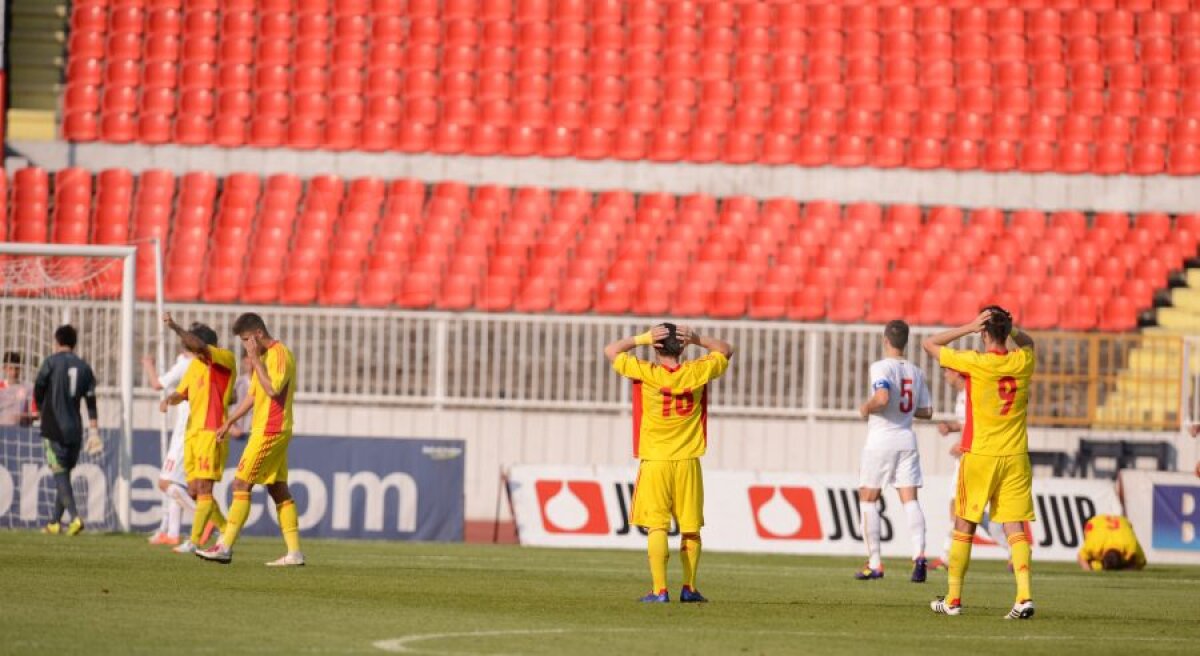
(997, 399)
(670, 406)
(208, 388)
(1103, 533)
(271, 416)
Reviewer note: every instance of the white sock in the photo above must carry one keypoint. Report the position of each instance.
(870, 523)
(165, 511)
(180, 495)
(916, 525)
(174, 516)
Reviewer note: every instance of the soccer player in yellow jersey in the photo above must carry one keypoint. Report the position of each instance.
(670, 433)
(264, 462)
(207, 386)
(1109, 544)
(994, 472)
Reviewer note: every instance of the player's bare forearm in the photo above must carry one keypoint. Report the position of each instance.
(714, 344)
(264, 378)
(615, 348)
(924, 413)
(877, 402)
(151, 374)
(1021, 338)
(190, 342)
(238, 412)
(1084, 564)
(175, 399)
(933, 345)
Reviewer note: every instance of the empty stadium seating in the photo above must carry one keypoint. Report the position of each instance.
(1107, 87)
(400, 243)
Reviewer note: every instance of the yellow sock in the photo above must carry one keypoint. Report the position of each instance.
(960, 558)
(657, 546)
(204, 506)
(217, 517)
(289, 525)
(1022, 557)
(239, 510)
(689, 555)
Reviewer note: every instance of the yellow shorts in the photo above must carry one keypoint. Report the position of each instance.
(203, 456)
(1003, 483)
(669, 488)
(265, 459)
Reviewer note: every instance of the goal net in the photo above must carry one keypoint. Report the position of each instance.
(43, 286)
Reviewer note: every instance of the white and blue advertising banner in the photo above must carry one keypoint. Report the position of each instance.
(1164, 508)
(777, 512)
(345, 487)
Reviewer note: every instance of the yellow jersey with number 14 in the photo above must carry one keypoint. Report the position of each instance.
(271, 416)
(997, 399)
(208, 389)
(670, 406)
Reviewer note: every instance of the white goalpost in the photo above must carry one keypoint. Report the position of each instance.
(43, 286)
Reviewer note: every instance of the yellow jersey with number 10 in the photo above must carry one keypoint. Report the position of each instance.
(670, 406)
(997, 399)
(274, 417)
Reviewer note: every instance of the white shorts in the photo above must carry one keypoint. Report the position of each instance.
(881, 468)
(172, 467)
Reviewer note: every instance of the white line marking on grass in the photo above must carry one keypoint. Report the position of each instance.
(402, 644)
(406, 644)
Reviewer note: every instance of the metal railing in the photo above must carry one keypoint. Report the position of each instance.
(554, 362)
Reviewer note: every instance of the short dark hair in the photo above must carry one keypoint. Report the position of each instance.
(206, 334)
(13, 357)
(65, 335)
(1112, 559)
(896, 333)
(670, 344)
(248, 322)
(999, 325)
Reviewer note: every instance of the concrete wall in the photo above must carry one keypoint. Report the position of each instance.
(498, 438)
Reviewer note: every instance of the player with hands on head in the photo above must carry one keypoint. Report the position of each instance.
(994, 473)
(670, 434)
(207, 386)
(890, 456)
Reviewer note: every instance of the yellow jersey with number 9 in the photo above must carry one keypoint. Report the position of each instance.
(670, 406)
(997, 399)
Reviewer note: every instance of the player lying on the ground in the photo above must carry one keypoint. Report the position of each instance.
(64, 380)
(264, 462)
(1110, 544)
(954, 429)
(890, 457)
(994, 472)
(207, 386)
(172, 481)
(670, 411)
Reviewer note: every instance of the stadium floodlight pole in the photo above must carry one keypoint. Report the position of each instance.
(128, 257)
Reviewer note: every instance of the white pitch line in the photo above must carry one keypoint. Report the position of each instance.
(405, 644)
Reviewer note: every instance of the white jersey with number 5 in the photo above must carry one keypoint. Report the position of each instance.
(891, 428)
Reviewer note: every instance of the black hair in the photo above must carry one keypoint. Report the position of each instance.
(670, 345)
(999, 325)
(248, 322)
(66, 336)
(13, 357)
(896, 333)
(1112, 559)
(206, 334)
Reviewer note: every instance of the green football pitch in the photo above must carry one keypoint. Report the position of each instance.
(100, 594)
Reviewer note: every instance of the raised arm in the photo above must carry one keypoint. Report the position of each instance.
(626, 344)
(1021, 338)
(933, 345)
(190, 341)
(691, 336)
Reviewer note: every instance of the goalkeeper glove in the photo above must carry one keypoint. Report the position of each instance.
(95, 445)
